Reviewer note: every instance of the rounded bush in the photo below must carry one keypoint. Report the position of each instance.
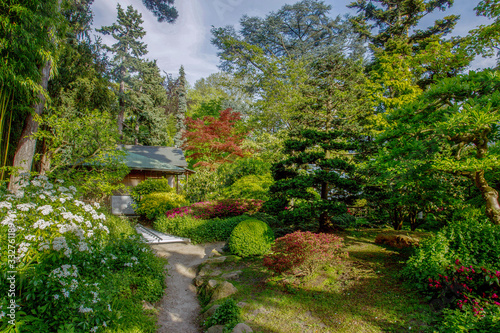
(149, 186)
(158, 203)
(251, 238)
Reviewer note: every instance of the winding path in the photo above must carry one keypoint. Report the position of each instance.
(179, 307)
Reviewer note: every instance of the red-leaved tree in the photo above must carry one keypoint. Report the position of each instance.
(212, 141)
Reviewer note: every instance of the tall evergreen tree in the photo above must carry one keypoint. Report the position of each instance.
(128, 49)
(147, 99)
(381, 21)
(181, 109)
(164, 10)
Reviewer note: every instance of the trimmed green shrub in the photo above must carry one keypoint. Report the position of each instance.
(227, 314)
(251, 237)
(250, 187)
(155, 204)
(473, 243)
(150, 186)
(199, 230)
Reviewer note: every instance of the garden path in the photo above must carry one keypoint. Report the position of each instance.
(180, 307)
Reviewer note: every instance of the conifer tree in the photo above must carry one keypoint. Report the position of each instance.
(380, 21)
(181, 109)
(127, 52)
(315, 182)
(147, 98)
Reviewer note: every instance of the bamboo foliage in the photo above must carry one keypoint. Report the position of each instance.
(5, 127)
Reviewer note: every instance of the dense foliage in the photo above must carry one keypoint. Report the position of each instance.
(199, 230)
(251, 238)
(472, 242)
(217, 209)
(78, 274)
(149, 186)
(156, 204)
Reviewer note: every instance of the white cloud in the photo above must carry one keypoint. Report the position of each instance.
(187, 41)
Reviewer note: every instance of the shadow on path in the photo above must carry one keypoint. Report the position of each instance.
(179, 307)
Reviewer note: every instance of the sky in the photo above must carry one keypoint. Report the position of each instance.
(187, 41)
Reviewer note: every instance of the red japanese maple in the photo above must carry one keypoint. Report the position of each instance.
(212, 141)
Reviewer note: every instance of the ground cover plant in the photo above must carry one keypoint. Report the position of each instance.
(77, 271)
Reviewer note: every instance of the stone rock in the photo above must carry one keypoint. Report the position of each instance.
(242, 328)
(198, 281)
(215, 260)
(207, 270)
(224, 290)
(216, 329)
(212, 284)
(205, 315)
(214, 253)
(242, 304)
(147, 306)
(397, 241)
(231, 275)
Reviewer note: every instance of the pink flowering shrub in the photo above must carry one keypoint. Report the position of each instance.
(302, 253)
(473, 288)
(217, 209)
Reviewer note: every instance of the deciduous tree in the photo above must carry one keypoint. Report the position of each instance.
(212, 141)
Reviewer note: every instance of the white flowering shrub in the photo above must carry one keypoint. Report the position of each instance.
(68, 263)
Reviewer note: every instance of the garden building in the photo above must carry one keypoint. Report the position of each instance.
(147, 162)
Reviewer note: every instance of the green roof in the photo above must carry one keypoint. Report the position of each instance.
(140, 162)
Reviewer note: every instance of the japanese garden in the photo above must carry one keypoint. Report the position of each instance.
(339, 173)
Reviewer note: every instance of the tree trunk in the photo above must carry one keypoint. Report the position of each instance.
(397, 219)
(23, 159)
(490, 195)
(325, 224)
(45, 160)
(121, 113)
(137, 127)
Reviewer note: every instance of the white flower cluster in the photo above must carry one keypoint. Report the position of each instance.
(65, 271)
(83, 309)
(45, 210)
(26, 207)
(41, 224)
(60, 243)
(83, 247)
(5, 204)
(23, 248)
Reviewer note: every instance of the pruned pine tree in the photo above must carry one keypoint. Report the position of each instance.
(315, 182)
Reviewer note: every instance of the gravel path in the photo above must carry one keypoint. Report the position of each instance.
(179, 306)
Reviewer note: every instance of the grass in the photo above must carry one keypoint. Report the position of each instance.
(363, 294)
